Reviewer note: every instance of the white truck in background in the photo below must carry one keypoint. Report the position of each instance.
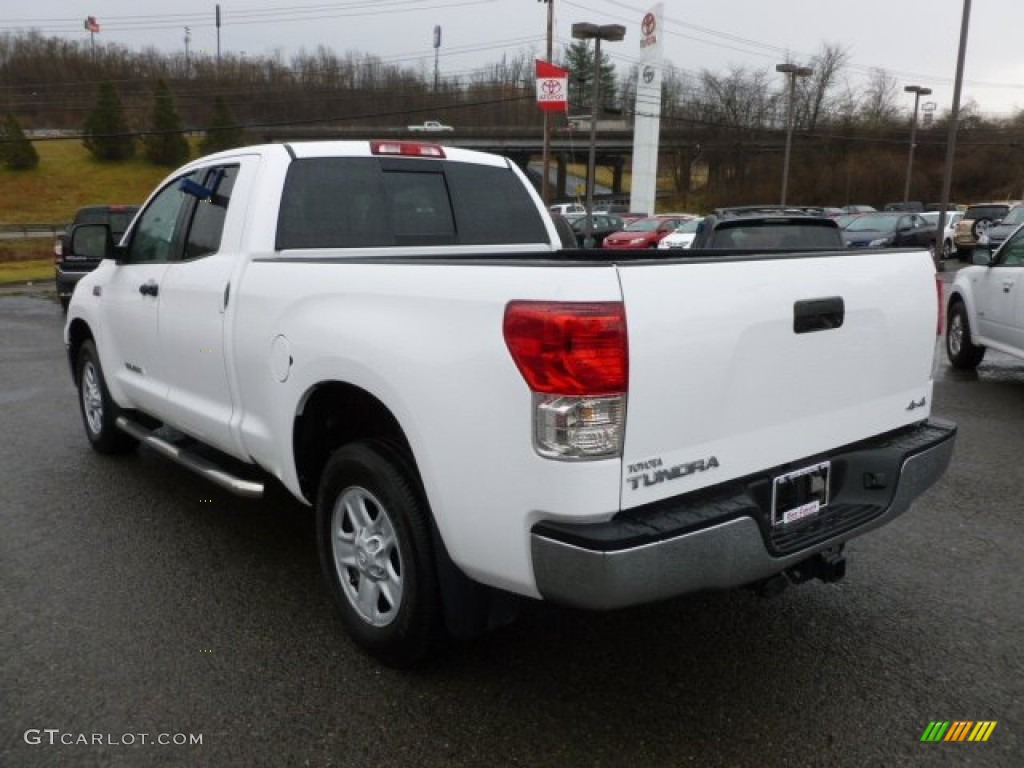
(431, 126)
(393, 331)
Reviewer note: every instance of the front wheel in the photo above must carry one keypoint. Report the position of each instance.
(962, 352)
(375, 549)
(99, 412)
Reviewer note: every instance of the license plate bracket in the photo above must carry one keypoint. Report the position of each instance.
(800, 494)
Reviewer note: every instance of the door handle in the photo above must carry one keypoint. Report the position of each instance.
(1007, 285)
(824, 314)
(149, 289)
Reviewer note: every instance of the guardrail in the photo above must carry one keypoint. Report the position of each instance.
(16, 231)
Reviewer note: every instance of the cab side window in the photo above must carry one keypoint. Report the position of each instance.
(208, 221)
(154, 236)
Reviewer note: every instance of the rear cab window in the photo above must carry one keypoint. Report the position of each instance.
(360, 202)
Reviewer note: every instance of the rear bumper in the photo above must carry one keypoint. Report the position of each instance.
(724, 537)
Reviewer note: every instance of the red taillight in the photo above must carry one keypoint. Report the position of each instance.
(941, 322)
(406, 148)
(569, 348)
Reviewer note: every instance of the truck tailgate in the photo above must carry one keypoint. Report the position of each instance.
(739, 365)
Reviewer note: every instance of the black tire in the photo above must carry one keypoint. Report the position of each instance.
(962, 352)
(99, 412)
(373, 536)
(947, 249)
(980, 227)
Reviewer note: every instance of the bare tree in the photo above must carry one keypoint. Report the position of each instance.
(879, 105)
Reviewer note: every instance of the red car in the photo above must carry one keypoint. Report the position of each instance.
(645, 233)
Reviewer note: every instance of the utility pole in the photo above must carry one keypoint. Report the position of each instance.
(218, 38)
(437, 48)
(188, 39)
(545, 187)
(954, 123)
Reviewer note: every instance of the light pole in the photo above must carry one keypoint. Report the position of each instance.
(545, 188)
(918, 92)
(792, 71)
(612, 33)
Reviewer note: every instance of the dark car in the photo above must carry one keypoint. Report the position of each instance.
(890, 230)
(603, 225)
(71, 267)
(911, 207)
(994, 236)
(771, 231)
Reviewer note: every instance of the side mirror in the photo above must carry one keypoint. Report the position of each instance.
(91, 241)
(981, 256)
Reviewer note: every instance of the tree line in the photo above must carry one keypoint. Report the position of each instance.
(727, 128)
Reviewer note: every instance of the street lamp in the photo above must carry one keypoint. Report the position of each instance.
(612, 33)
(793, 71)
(918, 92)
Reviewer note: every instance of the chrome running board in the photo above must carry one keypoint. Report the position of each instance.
(199, 465)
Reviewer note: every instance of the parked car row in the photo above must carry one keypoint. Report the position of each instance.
(901, 226)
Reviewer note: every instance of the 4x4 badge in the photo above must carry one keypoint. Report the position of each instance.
(914, 404)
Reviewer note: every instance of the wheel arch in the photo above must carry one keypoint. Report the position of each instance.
(334, 413)
(78, 333)
(956, 296)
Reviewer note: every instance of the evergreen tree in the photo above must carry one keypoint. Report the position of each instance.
(16, 151)
(166, 145)
(579, 60)
(106, 132)
(223, 133)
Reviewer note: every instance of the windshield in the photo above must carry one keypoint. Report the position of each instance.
(688, 227)
(976, 212)
(872, 224)
(643, 225)
(1015, 217)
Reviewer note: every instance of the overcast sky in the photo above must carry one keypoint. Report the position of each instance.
(915, 40)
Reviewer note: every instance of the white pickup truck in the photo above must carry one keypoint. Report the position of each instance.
(985, 304)
(430, 126)
(393, 331)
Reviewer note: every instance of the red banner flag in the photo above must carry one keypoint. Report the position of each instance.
(552, 86)
(91, 24)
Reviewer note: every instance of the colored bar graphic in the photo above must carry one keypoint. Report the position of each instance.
(958, 730)
(982, 731)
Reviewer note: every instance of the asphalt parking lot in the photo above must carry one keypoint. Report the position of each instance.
(138, 601)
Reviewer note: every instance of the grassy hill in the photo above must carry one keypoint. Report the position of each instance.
(67, 178)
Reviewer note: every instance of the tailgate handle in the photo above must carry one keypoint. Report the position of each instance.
(812, 315)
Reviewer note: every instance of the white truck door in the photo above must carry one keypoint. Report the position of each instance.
(194, 299)
(999, 295)
(132, 298)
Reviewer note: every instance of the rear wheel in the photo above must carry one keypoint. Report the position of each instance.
(99, 412)
(963, 353)
(375, 549)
